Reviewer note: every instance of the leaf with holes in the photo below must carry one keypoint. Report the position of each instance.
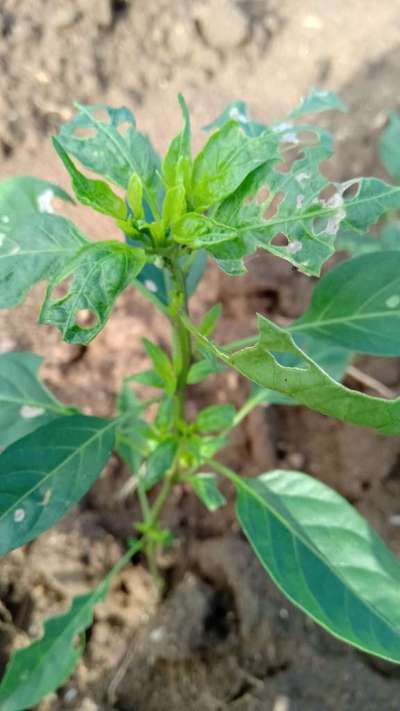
(46, 472)
(325, 557)
(34, 251)
(316, 101)
(357, 305)
(107, 141)
(100, 272)
(94, 193)
(25, 402)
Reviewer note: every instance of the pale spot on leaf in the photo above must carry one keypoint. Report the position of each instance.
(150, 285)
(19, 515)
(27, 411)
(301, 177)
(392, 301)
(46, 497)
(237, 115)
(300, 201)
(45, 201)
(294, 247)
(5, 219)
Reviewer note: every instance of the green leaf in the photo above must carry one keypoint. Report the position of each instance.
(176, 166)
(160, 462)
(203, 369)
(210, 320)
(148, 377)
(102, 145)
(46, 472)
(133, 433)
(94, 193)
(134, 196)
(167, 413)
(100, 272)
(205, 487)
(357, 305)
(307, 383)
(33, 251)
(200, 231)
(324, 557)
(23, 197)
(162, 365)
(174, 205)
(215, 417)
(37, 670)
(389, 147)
(197, 268)
(318, 100)
(225, 161)
(25, 403)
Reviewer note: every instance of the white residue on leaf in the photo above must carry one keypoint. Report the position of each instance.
(392, 301)
(14, 250)
(19, 515)
(46, 497)
(150, 285)
(281, 127)
(300, 201)
(237, 115)
(336, 202)
(44, 201)
(301, 177)
(2, 238)
(5, 219)
(290, 138)
(294, 247)
(27, 412)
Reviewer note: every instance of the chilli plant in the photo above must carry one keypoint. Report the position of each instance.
(250, 187)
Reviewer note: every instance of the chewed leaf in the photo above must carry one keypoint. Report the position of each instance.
(46, 472)
(100, 272)
(357, 305)
(94, 193)
(389, 147)
(34, 251)
(25, 403)
(318, 100)
(107, 141)
(325, 557)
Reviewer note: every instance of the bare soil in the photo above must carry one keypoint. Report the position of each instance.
(223, 637)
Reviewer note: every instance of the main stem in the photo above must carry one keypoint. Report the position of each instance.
(181, 356)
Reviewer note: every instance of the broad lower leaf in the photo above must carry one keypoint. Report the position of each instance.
(33, 251)
(25, 403)
(107, 141)
(205, 486)
(316, 101)
(46, 472)
(389, 147)
(225, 161)
(37, 670)
(325, 557)
(100, 272)
(357, 305)
(23, 197)
(94, 193)
(215, 417)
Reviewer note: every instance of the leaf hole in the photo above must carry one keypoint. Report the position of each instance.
(351, 191)
(273, 207)
(102, 115)
(86, 318)
(83, 132)
(280, 240)
(124, 127)
(61, 289)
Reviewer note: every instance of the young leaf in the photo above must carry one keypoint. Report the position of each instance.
(325, 557)
(101, 271)
(318, 100)
(94, 193)
(389, 147)
(148, 377)
(210, 320)
(203, 369)
(237, 111)
(37, 670)
(133, 433)
(196, 271)
(23, 197)
(134, 196)
(357, 305)
(308, 384)
(225, 161)
(215, 417)
(176, 166)
(159, 462)
(110, 150)
(174, 205)
(162, 365)
(46, 472)
(33, 251)
(200, 231)
(205, 487)
(25, 403)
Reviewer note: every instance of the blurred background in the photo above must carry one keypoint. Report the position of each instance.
(223, 639)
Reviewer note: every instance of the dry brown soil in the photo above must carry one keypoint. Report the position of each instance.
(223, 638)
